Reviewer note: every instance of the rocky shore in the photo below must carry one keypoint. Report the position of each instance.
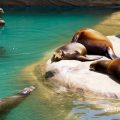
(105, 3)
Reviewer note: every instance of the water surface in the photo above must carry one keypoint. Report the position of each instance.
(27, 36)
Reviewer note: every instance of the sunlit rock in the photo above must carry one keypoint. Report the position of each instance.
(76, 75)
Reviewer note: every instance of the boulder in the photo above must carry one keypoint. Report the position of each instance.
(76, 75)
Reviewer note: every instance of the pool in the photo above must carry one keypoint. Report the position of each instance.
(27, 36)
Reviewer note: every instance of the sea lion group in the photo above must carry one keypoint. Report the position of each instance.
(89, 41)
(71, 51)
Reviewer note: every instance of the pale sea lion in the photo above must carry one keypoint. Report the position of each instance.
(111, 67)
(6, 104)
(95, 42)
(71, 51)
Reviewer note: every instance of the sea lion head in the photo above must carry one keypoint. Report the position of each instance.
(100, 66)
(93, 66)
(1, 11)
(2, 22)
(57, 56)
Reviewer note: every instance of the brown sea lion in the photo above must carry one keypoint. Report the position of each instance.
(95, 42)
(71, 51)
(111, 67)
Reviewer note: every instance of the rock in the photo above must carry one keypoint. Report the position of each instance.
(76, 75)
(1, 11)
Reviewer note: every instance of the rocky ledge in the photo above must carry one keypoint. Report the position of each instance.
(104, 3)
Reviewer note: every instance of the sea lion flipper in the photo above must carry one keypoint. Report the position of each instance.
(84, 58)
(111, 54)
(77, 36)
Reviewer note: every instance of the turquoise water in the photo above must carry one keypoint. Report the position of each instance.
(27, 36)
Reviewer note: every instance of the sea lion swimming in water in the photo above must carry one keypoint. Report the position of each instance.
(6, 104)
(95, 42)
(1, 11)
(71, 51)
(111, 67)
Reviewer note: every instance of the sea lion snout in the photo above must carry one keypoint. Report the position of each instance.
(57, 56)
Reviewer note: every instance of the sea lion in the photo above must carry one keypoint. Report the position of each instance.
(111, 67)
(1, 11)
(95, 42)
(2, 22)
(6, 104)
(2, 51)
(71, 51)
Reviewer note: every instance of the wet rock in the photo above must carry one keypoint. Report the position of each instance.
(2, 51)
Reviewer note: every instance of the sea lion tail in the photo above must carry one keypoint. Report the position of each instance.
(111, 54)
(26, 91)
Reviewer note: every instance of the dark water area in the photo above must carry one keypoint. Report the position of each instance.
(27, 36)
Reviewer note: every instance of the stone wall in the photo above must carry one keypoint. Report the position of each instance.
(108, 3)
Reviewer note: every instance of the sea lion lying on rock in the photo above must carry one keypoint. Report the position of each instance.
(95, 42)
(111, 67)
(71, 51)
(6, 104)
